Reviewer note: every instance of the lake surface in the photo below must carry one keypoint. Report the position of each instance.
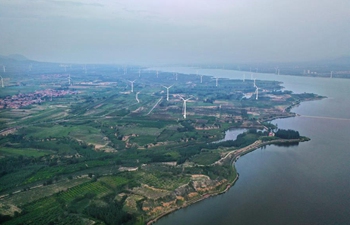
(304, 184)
(232, 134)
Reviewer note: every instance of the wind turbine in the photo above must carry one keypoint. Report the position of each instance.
(201, 78)
(69, 80)
(2, 81)
(216, 81)
(175, 76)
(167, 91)
(65, 67)
(139, 73)
(132, 85)
(254, 83)
(184, 106)
(4, 68)
(157, 73)
(331, 74)
(256, 93)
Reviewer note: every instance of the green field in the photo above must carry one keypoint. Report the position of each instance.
(28, 152)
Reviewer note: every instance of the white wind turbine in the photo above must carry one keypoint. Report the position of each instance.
(65, 67)
(175, 76)
(139, 73)
(201, 78)
(4, 69)
(184, 105)
(167, 91)
(157, 73)
(256, 93)
(2, 81)
(254, 83)
(69, 80)
(132, 85)
(216, 81)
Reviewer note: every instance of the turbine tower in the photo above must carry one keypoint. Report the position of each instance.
(157, 73)
(65, 67)
(254, 83)
(175, 76)
(4, 69)
(331, 74)
(216, 81)
(184, 106)
(69, 80)
(132, 85)
(201, 78)
(256, 93)
(2, 81)
(139, 73)
(167, 91)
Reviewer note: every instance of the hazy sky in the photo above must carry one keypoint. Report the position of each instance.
(173, 31)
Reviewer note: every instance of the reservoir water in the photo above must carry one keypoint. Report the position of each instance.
(304, 184)
(232, 134)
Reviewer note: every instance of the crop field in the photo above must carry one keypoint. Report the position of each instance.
(43, 212)
(17, 178)
(206, 158)
(114, 182)
(163, 180)
(35, 194)
(93, 188)
(28, 152)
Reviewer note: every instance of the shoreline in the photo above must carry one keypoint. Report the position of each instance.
(242, 151)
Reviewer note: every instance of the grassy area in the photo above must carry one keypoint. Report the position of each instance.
(28, 152)
(205, 158)
(92, 188)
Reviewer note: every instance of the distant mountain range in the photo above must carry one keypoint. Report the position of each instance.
(14, 57)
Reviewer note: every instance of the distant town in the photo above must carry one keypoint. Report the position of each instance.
(22, 100)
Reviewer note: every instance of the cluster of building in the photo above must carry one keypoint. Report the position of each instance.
(21, 100)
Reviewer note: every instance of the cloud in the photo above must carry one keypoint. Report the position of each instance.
(74, 3)
(221, 30)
